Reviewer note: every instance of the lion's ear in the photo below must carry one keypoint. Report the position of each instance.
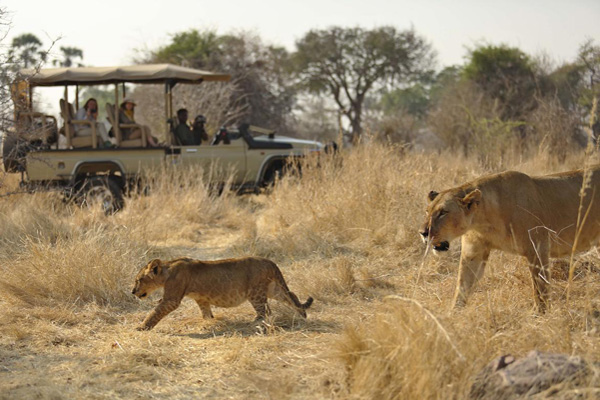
(156, 266)
(432, 195)
(471, 200)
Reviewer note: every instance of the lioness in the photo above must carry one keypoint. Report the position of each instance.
(223, 283)
(536, 217)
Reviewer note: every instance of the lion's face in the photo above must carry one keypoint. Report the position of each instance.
(151, 277)
(448, 216)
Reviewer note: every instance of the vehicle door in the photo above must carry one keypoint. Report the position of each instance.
(219, 162)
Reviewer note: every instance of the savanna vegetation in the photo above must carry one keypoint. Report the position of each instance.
(345, 232)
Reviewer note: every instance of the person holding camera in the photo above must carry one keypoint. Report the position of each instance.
(190, 136)
(89, 112)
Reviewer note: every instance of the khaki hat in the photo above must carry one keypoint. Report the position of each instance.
(128, 100)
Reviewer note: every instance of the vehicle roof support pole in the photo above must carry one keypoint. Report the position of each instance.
(77, 97)
(67, 117)
(30, 99)
(116, 128)
(168, 112)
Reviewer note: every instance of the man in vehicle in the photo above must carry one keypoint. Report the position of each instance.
(190, 136)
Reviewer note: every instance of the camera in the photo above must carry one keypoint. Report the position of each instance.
(93, 110)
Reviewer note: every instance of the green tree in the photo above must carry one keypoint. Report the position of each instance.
(69, 55)
(507, 75)
(350, 63)
(25, 50)
(192, 49)
(413, 100)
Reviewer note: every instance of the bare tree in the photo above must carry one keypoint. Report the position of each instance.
(211, 99)
(6, 74)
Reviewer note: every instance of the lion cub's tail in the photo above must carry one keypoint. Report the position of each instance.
(300, 307)
(286, 295)
(308, 303)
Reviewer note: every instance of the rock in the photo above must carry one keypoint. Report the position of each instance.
(510, 378)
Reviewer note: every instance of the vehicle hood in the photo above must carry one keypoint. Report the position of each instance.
(297, 143)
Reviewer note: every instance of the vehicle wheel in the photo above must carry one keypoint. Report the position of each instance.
(102, 192)
(274, 173)
(12, 153)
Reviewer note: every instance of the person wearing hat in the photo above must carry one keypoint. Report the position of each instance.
(126, 116)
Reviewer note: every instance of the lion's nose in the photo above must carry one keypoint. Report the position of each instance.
(425, 232)
(133, 291)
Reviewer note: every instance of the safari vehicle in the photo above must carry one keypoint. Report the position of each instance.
(251, 156)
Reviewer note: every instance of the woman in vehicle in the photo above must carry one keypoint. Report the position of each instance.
(89, 112)
(126, 116)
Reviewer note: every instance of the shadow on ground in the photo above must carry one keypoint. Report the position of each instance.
(270, 326)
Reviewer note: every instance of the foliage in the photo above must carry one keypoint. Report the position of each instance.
(26, 50)
(413, 100)
(506, 74)
(262, 87)
(192, 49)
(349, 63)
(69, 55)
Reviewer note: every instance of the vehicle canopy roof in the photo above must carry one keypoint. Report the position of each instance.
(147, 73)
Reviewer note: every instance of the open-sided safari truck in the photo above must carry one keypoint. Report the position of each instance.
(87, 169)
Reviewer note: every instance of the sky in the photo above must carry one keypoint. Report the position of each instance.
(115, 32)
(112, 32)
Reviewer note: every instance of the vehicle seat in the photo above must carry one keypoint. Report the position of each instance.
(36, 127)
(68, 114)
(111, 115)
(173, 123)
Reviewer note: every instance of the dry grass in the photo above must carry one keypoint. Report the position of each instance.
(344, 233)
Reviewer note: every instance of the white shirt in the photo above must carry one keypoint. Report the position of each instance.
(81, 115)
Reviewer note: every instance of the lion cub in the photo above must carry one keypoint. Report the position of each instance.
(223, 283)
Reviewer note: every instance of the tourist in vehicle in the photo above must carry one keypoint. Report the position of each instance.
(190, 136)
(89, 112)
(126, 116)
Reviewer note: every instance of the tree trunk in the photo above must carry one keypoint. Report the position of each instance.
(355, 116)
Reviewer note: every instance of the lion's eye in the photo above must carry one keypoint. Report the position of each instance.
(442, 214)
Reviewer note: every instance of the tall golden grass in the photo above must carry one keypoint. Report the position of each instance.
(344, 231)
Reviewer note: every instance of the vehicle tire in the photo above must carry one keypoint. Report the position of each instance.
(273, 173)
(12, 153)
(104, 192)
(331, 148)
